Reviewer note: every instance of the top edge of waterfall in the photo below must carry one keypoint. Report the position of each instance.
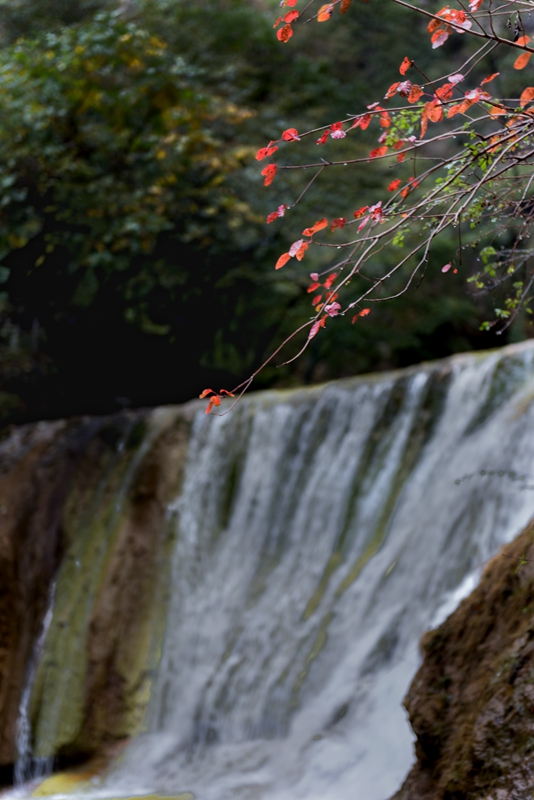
(296, 393)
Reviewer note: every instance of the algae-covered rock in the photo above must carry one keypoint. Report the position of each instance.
(83, 505)
(471, 704)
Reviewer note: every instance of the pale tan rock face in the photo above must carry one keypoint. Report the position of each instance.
(471, 704)
(83, 503)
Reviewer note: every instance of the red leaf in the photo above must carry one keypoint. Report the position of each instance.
(434, 111)
(363, 313)
(317, 325)
(317, 299)
(325, 12)
(522, 61)
(285, 33)
(280, 211)
(205, 393)
(312, 287)
(415, 93)
(378, 151)
(214, 401)
(301, 252)
(445, 92)
(291, 16)
(268, 173)
(330, 280)
(394, 185)
(338, 223)
(322, 139)
(295, 247)
(392, 90)
(365, 121)
(489, 78)
(405, 66)
(228, 394)
(319, 225)
(282, 261)
(345, 5)
(360, 212)
(401, 157)
(266, 151)
(336, 131)
(527, 95)
(332, 309)
(291, 135)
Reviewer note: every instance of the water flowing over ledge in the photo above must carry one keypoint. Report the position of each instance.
(316, 534)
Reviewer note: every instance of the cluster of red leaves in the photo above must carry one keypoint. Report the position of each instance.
(215, 399)
(438, 103)
(298, 248)
(286, 32)
(449, 19)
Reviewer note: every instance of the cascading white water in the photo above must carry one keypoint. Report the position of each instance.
(318, 534)
(27, 766)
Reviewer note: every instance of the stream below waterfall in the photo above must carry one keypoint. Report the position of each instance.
(319, 533)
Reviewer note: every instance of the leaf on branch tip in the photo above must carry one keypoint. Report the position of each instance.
(319, 225)
(336, 131)
(332, 309)
(394, 185)
(489, 78)
(291, 16)
(313, 287)
(264, 152)
(205, 393)
(213, 401)
(322, 139)
(405, 66)
(291, 135)
(282, 261)
(360, 212)
(280, 211)
(325, 12)
(363, 313)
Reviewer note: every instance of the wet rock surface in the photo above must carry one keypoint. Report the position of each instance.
(61, 520)
(471, 704)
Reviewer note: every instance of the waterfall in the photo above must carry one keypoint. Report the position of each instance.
(28, 767)
(318, 534)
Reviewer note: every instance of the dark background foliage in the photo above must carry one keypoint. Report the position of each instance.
(136, 267)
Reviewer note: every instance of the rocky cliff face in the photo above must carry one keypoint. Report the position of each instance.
(83, 504)
(471, 704)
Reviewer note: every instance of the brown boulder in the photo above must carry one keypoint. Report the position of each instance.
(471, 704)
